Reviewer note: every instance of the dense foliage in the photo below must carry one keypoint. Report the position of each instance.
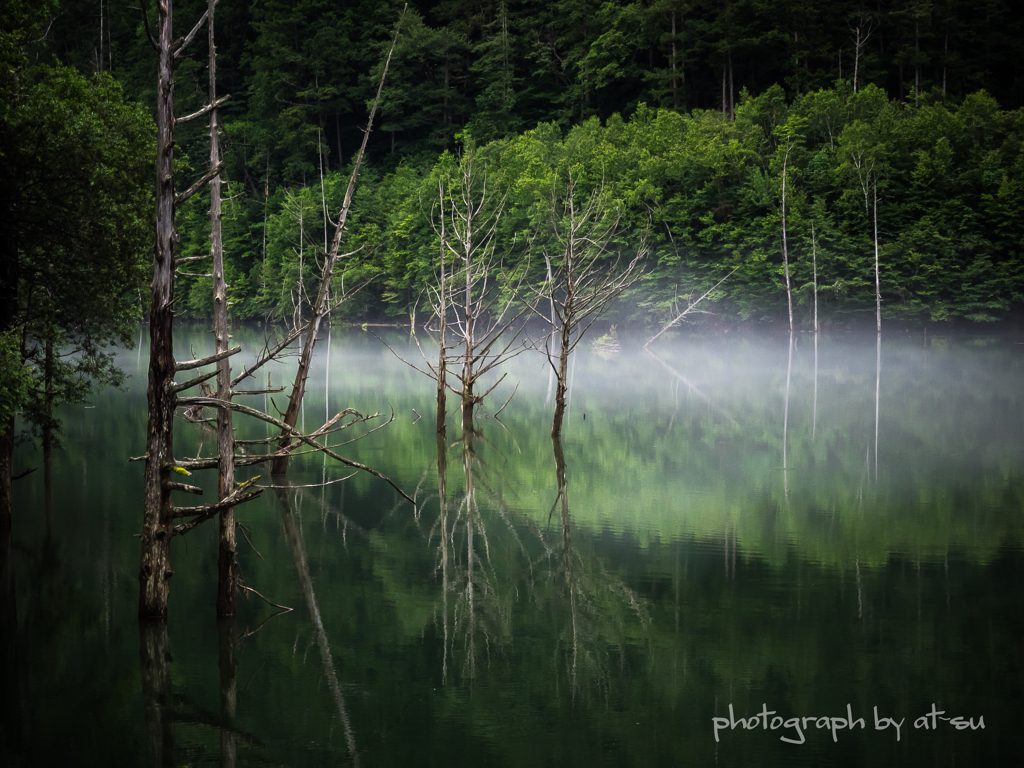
(76, 177)
(684, 111)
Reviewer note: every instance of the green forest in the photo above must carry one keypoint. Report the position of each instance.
(682, 114)
(686, 117)
(757, 144)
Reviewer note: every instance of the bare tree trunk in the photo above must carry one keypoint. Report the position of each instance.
(154, 569)
(785, 246)
(732, 91)
(814, 262)
(468, 400)
(6, 474)
(945, 57)
(227, 646)
(856, 58)
(562, 379)
(878, 284)
(280, 465)
(227, 569)
(785, 422)
(442, 354)
(8, 591)
(878, 381)
(675, 91)
(157, 693)
(725, 100)
(442, 494)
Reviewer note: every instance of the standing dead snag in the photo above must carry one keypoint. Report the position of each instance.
(155, 567)
(159, 514)
(483, 317)
(588, 278)
(477, 311)
(320, 307)
(227, 575)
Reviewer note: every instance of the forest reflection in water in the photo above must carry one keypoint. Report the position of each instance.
(794, 523)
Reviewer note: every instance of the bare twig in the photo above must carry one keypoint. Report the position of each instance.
(261, 597)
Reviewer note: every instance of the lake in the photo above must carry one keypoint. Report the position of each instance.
(766, 552)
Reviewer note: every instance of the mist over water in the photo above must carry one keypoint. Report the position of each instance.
(822, 528)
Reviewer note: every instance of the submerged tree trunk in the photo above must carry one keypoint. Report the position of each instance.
(878, 284)
(227, 573)
(157, 693)
(562, 379)
(814, 265)
(154, 569)
(442, 354)
(785, 245)
(227, 646)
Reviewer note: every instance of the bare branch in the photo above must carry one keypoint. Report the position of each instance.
(690, 308)
(509, 399)
(145, 21)
(172, 486)
(202, 182)
(204, 111)
(193, 382)
(180, 47)
(290, 432)
(284, 608)
(199, 363)
(268, 354)
(311, 485)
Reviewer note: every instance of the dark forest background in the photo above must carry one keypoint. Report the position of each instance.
(684, 113)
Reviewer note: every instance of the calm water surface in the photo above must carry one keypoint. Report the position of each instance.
(748, 526)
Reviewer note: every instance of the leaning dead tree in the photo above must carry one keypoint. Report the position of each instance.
(589, 274)
(160, 515)
(321, 305)
(691, 307)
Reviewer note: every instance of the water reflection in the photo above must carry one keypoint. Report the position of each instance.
(595, 601)
(157, 694)
(298, 550)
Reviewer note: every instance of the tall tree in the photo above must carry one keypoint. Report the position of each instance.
(74, 196)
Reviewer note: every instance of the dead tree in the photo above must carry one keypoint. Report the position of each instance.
(159, 513)
(692, 307)
(590, 274)
(227, 575)
(785, 243)
(320, 306)
(478, 312)
(862, 32)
